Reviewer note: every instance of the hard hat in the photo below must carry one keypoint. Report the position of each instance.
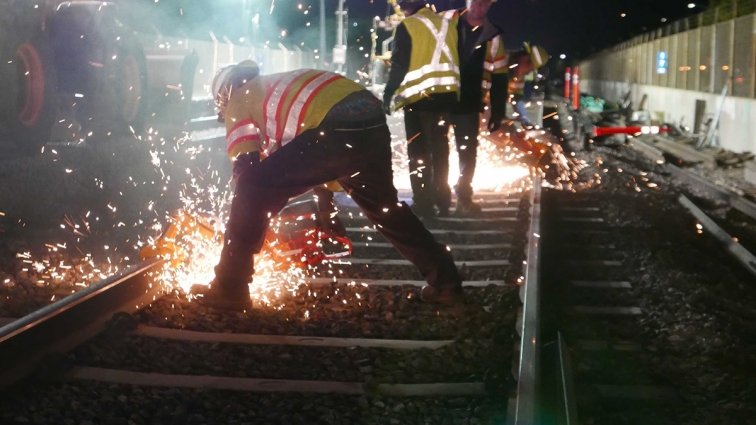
(538, 55)
(232, 76)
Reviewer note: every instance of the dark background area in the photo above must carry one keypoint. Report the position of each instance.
(576, 28)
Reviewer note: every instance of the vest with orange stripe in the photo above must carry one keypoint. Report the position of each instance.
(269, 111)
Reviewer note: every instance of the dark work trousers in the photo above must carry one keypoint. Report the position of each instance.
(466, 128)
(358, 156)
(324, 199)
(428, 152)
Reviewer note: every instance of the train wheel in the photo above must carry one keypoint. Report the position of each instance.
(36, 103)
(120, 95)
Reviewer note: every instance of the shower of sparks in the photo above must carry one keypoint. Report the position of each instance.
(500, 168)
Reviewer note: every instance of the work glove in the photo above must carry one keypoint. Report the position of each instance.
(387, 106)
(495, 123)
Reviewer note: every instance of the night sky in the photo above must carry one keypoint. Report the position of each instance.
(573, 27)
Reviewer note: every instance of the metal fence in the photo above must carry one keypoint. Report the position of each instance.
(213, 55)
(703, 53)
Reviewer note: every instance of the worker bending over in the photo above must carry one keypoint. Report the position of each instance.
(483, 68)
(424, 76)
(287, 133)
(524, 65)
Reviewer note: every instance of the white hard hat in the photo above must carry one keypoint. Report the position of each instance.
(229, 77)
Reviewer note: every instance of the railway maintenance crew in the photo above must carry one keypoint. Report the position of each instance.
(524, 64)
(424, 76)
(287, 133)
(481, 70)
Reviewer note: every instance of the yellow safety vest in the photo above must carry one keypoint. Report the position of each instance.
(434, 63)
(517, 84)
(497, 61)
(271, 110)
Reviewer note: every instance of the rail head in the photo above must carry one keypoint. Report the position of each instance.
(530, 353)
(65, 324)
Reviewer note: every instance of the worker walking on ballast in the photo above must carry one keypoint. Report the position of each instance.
(424, 76)
(289, 132)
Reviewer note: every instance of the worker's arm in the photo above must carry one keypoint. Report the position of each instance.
(242, 135)
(499, 91)
(400, 60)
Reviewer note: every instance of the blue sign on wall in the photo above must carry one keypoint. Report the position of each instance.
(662, 61)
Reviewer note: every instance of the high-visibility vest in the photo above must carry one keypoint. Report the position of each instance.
(434, 63)
(271, 110)
(496, 62)
(517, 84)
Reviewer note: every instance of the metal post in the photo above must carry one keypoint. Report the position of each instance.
(731, 71)
(322, 31)
(752, 70)
(340, 31)
(246, 17)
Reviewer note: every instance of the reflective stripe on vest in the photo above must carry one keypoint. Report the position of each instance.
(415, 81)
(303, 98)
(241, 132)
(428, 83)
(489, 63)
(516, 87)
(270, 111)
(435, 65)
(273, 103)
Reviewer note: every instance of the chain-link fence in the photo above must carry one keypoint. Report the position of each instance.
(704, 52)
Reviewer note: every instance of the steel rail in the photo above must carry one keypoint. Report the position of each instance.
(735, 249)
(528, 371)
(65, 324)
(736, 201)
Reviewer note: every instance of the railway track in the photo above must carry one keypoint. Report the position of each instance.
(353, 342)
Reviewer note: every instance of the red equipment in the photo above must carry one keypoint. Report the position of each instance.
(299, 234)
(567, 82)
(633, 130)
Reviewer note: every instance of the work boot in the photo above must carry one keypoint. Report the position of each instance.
(423, 210)
(467, 209)
(445, 295)
(223, 297)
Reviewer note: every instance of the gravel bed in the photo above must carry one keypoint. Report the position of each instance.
(697, 302)
(504, 226)
(408, 272)
(468, 361)
(507, 237)
(395, 313)
(617, 297)
(459, 254)
(85, 403)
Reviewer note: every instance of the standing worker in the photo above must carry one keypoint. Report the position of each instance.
(424, 76)
(287, 133)
(481, 70)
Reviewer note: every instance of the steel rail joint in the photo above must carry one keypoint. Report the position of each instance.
(63, 325)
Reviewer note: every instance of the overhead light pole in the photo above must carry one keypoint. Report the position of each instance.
(322, 50)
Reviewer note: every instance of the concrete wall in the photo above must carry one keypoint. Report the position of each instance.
(737, 126)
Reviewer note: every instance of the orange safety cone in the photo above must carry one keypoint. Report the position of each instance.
(567, 82)
(576, 89)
